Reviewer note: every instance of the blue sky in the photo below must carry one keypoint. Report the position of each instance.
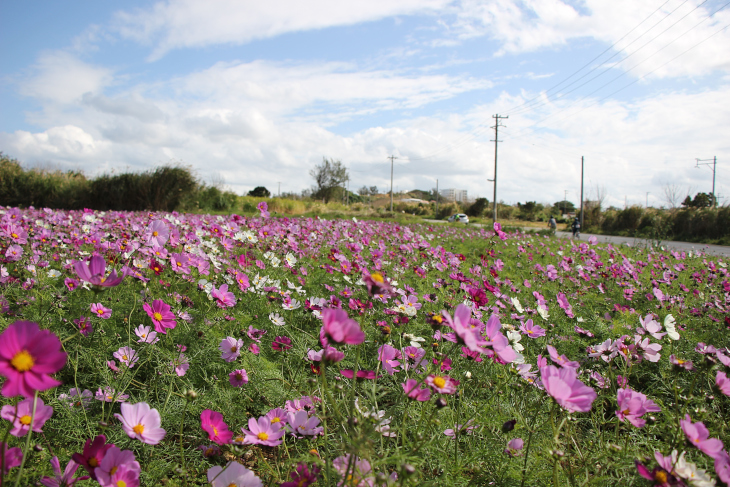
(255, 93)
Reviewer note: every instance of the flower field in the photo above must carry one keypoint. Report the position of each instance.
(178, 349)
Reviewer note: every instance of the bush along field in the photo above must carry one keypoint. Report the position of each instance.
(180, 350)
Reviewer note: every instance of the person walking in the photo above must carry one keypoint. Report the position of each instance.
(552, 224)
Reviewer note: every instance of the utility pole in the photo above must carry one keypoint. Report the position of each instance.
(497, 118)
(647, 198)
(565, 201)
(702, 162)
(392, 158)
(279, 189)
(437, 198)
(581, 193)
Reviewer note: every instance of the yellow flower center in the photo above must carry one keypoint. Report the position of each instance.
(154, 234)
(139, 429)
(100, 311)
(93, 462)
(439, 382)
(23, 361)
(263, 436)
(233, 484)
(124, 357)
(157, 315)
(275, 420)
(14, 235)
(25, 420)
(377, 277)
(114, 470)
(661, 477)
(215, 431)
(233, 349)
(121, 483)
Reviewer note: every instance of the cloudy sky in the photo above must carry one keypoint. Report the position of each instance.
(256, 93)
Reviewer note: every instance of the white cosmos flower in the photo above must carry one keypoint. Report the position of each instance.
(290, 259)
(293, 304)
(53, 273)
(514, 338)
(276, 319)
(543, 312)
(669, 325)
(415, 341)
(517, 305)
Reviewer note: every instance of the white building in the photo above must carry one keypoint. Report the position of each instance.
(452, 194)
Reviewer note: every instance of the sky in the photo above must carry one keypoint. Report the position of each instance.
(250, 93)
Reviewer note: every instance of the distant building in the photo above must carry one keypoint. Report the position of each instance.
(458, 195)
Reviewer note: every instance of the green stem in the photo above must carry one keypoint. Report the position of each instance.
(182, 452)
(527, 454)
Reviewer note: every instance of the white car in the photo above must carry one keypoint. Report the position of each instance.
(459, 217)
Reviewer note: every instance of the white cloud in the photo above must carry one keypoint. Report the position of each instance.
(174, 24)
(530, 25)
(60, 77)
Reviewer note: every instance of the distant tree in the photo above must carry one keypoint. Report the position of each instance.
(260, 192)
(364, 191)
(373, 190)
(564, 206)
(528, 210)
(329, 177)
(478, 207)
(701, 200)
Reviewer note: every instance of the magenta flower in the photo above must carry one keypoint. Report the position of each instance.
(659, 475)
(570, 393)
(141, 422)
(632, 405)
(21, 415)
(223, 298)
(468, 335)
(340, 328)
(263, 209)
(13, 456)
(442, 384)
(233, 474)
(99, 310)
(230, 348)
(64, 479)
(303, 476)
(238, 378)
(300, 423)
(94, 273)
(561, 360)
(84, 325)
(532, 330)
(376, 284)
(281, 344)
(27, 357)
(563, 302)
(92, 455)
(127, 356)
(161, 314)
(157, 234)
(262, 432)
(722, 383)
(212, 423)
(108, 394)
(698, 435)
(682, 364)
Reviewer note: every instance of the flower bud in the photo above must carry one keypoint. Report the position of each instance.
(509, 426)
(191, 395)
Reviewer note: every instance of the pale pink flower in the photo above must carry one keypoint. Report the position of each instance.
(230, 348)
(632, 405)
(722, 383)
(21, 416)
(262, 432)
(570, 393)
(340, 328)
(101, 311)
(233, 475)
(699, 436)
(141, 422)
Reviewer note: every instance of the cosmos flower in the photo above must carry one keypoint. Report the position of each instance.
(21, 416)
(570, 393)
(161, 315)
(262, 432)
(141, 422)
(233, 475)
(213, 424)
(94, 273)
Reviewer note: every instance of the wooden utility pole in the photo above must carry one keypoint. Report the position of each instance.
(497, 118)
(392, 158)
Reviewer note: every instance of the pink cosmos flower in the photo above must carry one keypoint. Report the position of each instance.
(722, 383)
(682, 364)
(389, 356)
(21, 415)
(127, 356)
(300, 423)
(651, 350)
(532, 330)
(118, 465)
(157, 234)
(632, 405)
(84, 325)
(411, 390)
(100, 311)
(180, 365)
(277, 415)
(340, 328)
(498, 230)
(238, 378)
(468, 335)
(570, 393)
(651, 326)
(145, 335)
(76, 398)
(376, 283)
(233, 474)
(13, 456)
(281, 344)
(212, 423)
(230, 348)
(141, 422)
(14, 253)
(223, 298)
(263, 209)
(180, 263)
(722, 466)
(64, 479)
(699, 436)
(660, 476)
(108, 394)
(514, 447)
(561, 360)
(262, 432)
(303, 476)
(500, 344)
(94, 273)
(27, 357)
(161, 314)
(92, 455)
(563, 302)
(442, 384)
